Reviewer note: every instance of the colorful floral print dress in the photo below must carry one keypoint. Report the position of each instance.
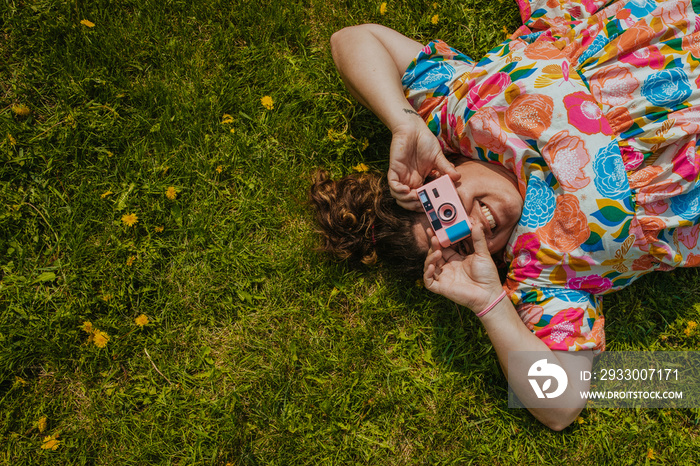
(594, 105)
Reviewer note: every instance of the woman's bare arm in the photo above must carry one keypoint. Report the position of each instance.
(473, 281)
(371, 59)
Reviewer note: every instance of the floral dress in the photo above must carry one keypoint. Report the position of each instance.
(594, 106)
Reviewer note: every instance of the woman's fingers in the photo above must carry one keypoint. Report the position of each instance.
(446, 168)
(479, 240)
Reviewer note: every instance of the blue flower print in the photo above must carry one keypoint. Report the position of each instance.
(539, 204)
(428, 75)
(596, 46)
(687, 205)
(641, 8)
(611, 177)
(667, 88)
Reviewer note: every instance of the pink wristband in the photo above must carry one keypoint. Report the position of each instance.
(492, 305)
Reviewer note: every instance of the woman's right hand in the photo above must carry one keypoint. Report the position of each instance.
(415, 152)
(470, 280)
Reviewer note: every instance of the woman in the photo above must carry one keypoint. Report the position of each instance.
(589, 114)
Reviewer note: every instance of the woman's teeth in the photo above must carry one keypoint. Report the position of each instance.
(487, 213)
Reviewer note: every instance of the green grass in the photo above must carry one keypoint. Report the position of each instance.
(258, 350)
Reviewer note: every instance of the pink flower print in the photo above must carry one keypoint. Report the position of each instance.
(688, 119)
(566, 156)
(486, 130)
(613, 85)
(658, 192)
(594, 284)
(671, 12)
(645, 57)
(631, 157)
(686, 162)
(525, 263)
(481, 94)
(656, 208)
(688, 235)
(563, 329)
(584, 114)
(530, 314)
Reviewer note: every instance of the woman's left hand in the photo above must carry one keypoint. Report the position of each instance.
(470, 280)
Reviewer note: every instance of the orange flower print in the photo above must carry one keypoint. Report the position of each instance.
(444, 50)
(634, 38)
(597, 335)
(543, 50)
(693, 260)
(651, 226)
(619, 119)
(486, 130)
(691, 43)
(529, 115)
(613, 85)
(568, 228)
(645, 262)
(566, 156)
(642, 177)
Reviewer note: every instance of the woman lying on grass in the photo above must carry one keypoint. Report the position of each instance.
(576, 145)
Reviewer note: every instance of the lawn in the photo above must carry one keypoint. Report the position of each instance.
(161, 301)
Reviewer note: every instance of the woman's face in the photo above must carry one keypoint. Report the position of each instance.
(489, 193)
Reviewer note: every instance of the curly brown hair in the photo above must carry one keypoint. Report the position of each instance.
(360, 222)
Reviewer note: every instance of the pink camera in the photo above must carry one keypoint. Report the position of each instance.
(445, 211)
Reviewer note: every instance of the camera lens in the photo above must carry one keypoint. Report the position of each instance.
(447, 212)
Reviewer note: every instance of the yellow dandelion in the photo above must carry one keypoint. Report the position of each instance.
(100, 338)
(226, 119)
(219, 169)
(51, 442)
(650, 453)
(87, 23)
(87, 326)
(690, 328)
(170, 193)
(21, 110)
(160, 229)
(107, 296)
(505, 31)
(435, 5)
(361, 168)
(130, 261)
(382, 8)
(233, 130)
(105, 194)
(19, 382)
(435, 19)
(580, 420)
(141, 320)
(130, 220)
(13, 141)
(41, 424)
(267, 102)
